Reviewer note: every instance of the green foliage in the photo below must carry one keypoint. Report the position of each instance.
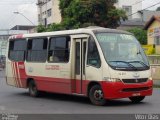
(55, 27)
(158, 9)
(115, 16)
(84, 13)
(41, 28)
(140, 34)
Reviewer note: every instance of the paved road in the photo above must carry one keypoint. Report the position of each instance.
(14, 100)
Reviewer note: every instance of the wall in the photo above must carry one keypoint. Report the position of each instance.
(158, 49)
(155, 66)
(155, 72)
(56, 15)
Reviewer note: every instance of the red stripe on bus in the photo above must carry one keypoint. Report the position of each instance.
(19, 36)
(60, 85)
(16, 76)
(22, 74)
(13, 74)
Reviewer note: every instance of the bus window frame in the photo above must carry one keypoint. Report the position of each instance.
(58, 36)
(37, 37)
(8, 54)
(96, 43)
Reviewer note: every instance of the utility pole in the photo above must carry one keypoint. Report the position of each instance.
(24, 17)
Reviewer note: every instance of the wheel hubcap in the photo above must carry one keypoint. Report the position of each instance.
(98, 94)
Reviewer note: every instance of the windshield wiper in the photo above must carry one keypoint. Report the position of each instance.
(143, 64)
(129, 64)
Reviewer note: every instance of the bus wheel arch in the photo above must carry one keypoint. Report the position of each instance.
(95, 94)
(28, 80)
(31, 84)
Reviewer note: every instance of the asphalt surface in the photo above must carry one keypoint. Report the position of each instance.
(18, 101)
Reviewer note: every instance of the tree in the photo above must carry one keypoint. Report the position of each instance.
(41, 28)
(158, 9)
(140, 34)
(84, 13)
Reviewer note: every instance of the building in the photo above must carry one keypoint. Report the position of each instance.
(153, 32)
(22, 29)
(18, 29)
(147, 14)
(3, 44)
(128, 24)
(132, 7)
(138, 22)
(48, 12)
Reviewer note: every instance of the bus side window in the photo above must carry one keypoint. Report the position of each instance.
(17, 50)
(59, 49)
(37, 50)
(93, 58)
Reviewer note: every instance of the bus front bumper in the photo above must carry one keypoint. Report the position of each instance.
(116, 90)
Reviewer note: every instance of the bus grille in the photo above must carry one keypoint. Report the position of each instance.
(135, 89)
(140, 80)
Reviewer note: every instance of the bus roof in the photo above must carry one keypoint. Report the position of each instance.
(87, 30)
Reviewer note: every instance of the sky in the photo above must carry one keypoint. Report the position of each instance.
(7, 17)
(28, 8)
(147, 3)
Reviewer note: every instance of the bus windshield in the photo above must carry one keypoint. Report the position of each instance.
(122, 51)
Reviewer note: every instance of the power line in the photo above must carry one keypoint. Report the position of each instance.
(137, 2)
(145, 8)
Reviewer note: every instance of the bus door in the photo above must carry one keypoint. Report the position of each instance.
(80, 58)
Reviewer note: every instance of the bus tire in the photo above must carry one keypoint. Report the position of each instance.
(136, 99)
(33, 91)
(96, 95)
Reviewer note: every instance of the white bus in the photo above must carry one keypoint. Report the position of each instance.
(99, 63)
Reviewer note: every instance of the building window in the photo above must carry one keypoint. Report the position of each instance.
(49, 12)
(39, 18)
(45, 22)
(157, 40)
(17, 50)
(128, 10)
(59, 49)
(37, 50)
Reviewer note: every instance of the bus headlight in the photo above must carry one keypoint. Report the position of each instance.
(150, 78)
(113, 80)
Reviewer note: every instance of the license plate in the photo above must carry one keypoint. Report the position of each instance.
(136, 94)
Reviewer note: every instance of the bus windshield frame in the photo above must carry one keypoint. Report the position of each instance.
(122, 51)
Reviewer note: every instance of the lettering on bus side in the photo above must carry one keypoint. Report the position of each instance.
(52, 67)
(21, 66)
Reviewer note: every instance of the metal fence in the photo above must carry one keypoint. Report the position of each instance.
(154, 61)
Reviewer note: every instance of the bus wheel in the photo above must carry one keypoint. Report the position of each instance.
(96, 95)
(137, 99)
(33, 91)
